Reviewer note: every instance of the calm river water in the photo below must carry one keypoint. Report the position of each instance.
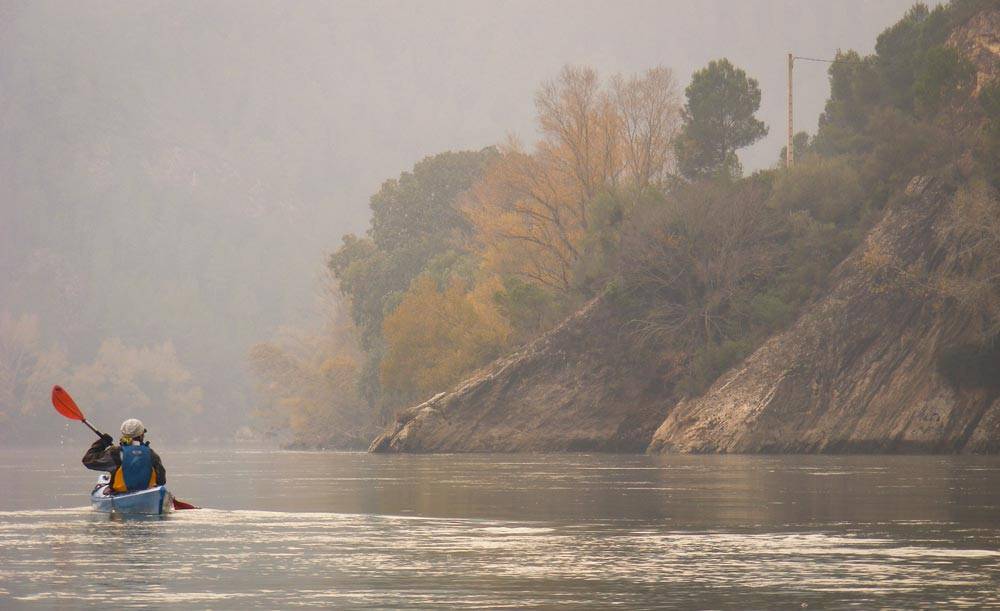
(302, 529)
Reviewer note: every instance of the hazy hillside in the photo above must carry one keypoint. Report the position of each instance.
(746, 331)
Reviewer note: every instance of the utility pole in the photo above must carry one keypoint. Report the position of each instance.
(789, 149)
(789, 152)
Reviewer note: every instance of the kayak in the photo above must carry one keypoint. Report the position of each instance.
(152, 501)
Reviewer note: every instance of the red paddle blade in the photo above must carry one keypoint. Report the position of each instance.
(183, 505)
(65, 404)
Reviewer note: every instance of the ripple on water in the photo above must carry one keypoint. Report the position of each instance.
(220, 558)
(575, 530)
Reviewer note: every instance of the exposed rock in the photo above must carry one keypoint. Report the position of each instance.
(979, 40)
(857, 372)
(576, 388)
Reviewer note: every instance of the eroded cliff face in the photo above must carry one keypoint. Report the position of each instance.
(857, 372)
(579, 387)
(979, 41)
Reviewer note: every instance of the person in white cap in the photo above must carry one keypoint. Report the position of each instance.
(133, 465)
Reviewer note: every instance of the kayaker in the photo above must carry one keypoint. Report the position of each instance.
(133, 465)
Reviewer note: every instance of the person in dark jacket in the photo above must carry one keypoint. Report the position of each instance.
(133, 465)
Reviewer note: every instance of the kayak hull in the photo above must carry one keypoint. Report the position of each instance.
(150, 502)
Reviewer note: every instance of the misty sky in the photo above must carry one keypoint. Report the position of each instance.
(371, 87)
(211, 154)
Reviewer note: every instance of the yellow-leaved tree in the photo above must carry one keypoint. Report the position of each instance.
(531, 210)
(436, 336)
(531, 214)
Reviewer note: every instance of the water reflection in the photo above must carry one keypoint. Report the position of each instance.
(315, 529)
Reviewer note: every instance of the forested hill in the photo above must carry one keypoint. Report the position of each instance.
(848, 303)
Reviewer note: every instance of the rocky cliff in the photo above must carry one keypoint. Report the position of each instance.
(578, 387)
(979, 41)
(857, 372)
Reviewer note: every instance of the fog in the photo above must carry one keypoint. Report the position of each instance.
(173, 175)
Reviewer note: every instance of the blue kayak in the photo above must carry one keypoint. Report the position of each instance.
(151, 502)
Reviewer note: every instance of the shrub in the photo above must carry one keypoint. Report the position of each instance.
(528, 308)
(711, 361)
(770, 311)
(828, 188)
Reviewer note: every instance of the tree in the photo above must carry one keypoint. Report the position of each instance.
(824, 203)
(416, 213)
(415, 219)
(363, 275)
(718, 120)
(307, 378)
(580, 133)
(27, 368)
(530, 215)
(901, 49)
(800, 146)
(945, 78)
(531, 211)
(855, 90)
(828, 188)
(435, 337)
(912, 72)
(649, 117)
(897, 49)
(693, 268)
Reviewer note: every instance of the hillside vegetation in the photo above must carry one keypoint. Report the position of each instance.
(634, 202)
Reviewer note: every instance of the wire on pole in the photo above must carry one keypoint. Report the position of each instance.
(830, 61)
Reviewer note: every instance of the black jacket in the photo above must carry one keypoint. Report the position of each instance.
(104, 456)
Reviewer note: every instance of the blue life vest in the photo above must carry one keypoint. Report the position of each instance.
(137, 468)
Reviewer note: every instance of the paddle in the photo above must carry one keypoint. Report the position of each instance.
(66, 406)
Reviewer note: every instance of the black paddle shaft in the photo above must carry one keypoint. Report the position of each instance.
(96, 432)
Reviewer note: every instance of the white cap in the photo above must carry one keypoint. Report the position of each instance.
(133, 428)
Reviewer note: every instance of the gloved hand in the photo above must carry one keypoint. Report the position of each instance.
(107, 439)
